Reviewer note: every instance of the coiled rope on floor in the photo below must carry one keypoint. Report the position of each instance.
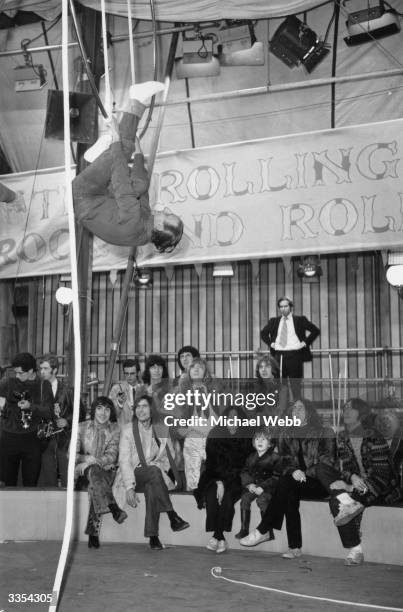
(216, 572)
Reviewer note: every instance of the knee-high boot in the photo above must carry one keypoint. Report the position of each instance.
(245, 521)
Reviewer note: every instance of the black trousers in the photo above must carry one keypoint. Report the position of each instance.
(18, 449)
(150, 481)
(285, 503)
(292, 368)
(219, 517)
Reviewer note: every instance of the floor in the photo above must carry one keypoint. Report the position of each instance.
(127, 577)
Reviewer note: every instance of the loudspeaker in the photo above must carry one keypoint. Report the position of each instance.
(83, 117)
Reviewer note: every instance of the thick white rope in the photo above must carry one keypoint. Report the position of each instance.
(76, 316)
(216, 572)
(108, 97)
(131, 46)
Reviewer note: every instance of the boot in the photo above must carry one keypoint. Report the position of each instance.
(155, 543)
(143, 92)
(93, 541)
(245, 520)
(118, 515)
(177, 523)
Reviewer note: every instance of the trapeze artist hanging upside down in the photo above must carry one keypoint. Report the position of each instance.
(111, 199)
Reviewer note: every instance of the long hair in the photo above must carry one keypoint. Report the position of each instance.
(154, 360)
(104, 401)
(187, 383)
(270, 361)
(165, 240)
(149, 401)
(313, 419)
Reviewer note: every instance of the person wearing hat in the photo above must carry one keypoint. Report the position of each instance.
(25, 401)
(289, 338)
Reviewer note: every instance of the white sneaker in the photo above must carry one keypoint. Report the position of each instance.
(100, 146)
(255, 538)
(222, 546)
(347, 512)
(212, 544)
(292, 553)
(354, 558)
(143, 92)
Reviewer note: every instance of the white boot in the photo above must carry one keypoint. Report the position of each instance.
(102, 144)
(143, 92)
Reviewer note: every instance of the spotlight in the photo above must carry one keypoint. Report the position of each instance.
(141, 279)
(238, 45)
(310, 269)
(295, 43)
(64, 295)
(371, 23)
(29, 77)
(394, 271)
(223, 269)
(198, 59)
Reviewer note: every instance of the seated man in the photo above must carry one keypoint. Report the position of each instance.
(111, 200)
(147, 466)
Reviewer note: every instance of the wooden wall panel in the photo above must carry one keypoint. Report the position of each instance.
(352, 304)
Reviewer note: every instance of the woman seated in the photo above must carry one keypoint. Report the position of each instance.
(303, 448)
(365, 475)
(220, 486)
(147, 466)
(97, 452)
(197, 380)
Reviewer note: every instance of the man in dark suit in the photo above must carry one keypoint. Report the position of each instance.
(55, 453)
(289, 338)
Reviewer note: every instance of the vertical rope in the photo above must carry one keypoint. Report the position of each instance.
(76, 317)
(131, 46)
(108, 101)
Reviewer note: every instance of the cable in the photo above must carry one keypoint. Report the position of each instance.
(76, 319)
(216, 572)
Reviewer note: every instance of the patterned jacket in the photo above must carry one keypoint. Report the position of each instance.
(89, 435)
(375, 458)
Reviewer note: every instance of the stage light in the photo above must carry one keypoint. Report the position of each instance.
(64, 296)
(310, 268)
(223, 269)
(238, 46)
(371, 23)
(29, 78)
(294, 43)
(394, 275)
(197, 57)
(142, 279)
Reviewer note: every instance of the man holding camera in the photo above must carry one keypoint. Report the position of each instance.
(25, 401)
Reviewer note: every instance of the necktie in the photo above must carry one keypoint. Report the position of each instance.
(283, 333)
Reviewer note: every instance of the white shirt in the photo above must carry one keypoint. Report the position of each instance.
(293, 342)
(54, 387)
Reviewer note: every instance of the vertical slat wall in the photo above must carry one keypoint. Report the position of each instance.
(352, 304)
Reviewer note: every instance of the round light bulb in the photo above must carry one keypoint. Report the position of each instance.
(394, 275)
(64, 295)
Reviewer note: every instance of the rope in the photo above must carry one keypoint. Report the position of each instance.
(216, 572)
(131, 46)
(108, 100)
(76, 318)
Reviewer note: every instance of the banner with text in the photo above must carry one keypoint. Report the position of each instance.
(320, 192)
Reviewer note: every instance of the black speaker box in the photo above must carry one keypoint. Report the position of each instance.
(83, 117)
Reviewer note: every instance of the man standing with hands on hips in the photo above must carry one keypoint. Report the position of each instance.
(289, 338)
